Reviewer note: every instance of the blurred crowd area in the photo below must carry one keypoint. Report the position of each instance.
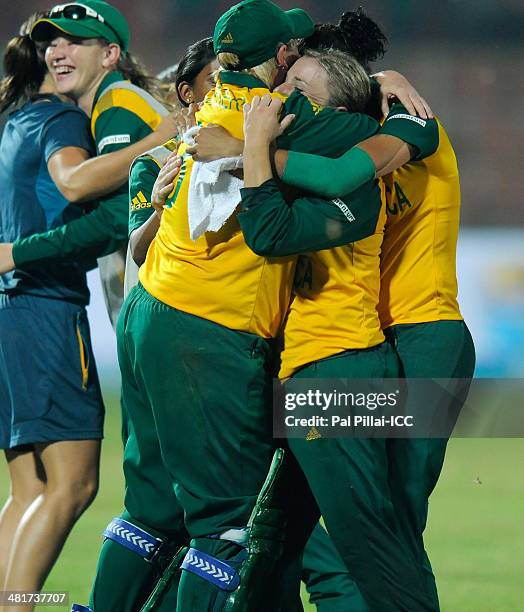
(465, 57)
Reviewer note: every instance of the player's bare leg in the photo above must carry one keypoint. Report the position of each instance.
(27, 484)
(71, 469)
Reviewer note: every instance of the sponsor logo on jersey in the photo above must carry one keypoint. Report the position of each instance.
(139, 202)
(409, 118)
(116, 139)
(344, 209)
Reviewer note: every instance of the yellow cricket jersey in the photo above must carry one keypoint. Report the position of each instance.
(217, 277)
(418, 270)
(335, 304)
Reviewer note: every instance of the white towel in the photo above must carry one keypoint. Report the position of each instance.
(214, 194)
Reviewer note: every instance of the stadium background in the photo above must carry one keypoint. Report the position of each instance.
(467, 59)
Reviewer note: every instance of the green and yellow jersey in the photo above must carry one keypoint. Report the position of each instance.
(122, 114)
(418, 278)
(418, 260)
(335, 301)
(337, 286)
(337, 282)
(142, 176)
(222, 279)
(217, 277)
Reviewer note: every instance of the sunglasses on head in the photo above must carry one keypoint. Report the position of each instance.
(78, 12)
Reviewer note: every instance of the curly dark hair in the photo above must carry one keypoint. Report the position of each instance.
(355, 33)
(359, 36)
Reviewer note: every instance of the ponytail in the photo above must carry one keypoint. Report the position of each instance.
(24, 67)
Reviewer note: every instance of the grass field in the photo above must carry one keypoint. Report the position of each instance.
(475, 536)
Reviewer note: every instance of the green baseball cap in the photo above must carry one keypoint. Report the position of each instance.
(252, 29)
(86, 19)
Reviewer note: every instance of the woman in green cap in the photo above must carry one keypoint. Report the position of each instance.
(51, 414)
(87, 56)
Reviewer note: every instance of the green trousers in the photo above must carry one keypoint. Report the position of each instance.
(349, 478)
(199, 443)
(327, 579)
(442, 349)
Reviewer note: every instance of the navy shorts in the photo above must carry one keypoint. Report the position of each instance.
(49, 388)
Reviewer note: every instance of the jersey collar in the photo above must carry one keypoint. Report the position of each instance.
(109, 79)
(241, 79)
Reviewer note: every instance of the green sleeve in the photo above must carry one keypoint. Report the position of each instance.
(117, 128)
(322, 130)
(98, 233)
(331, 133)
(144, 172)
(103, 230)
(273, 227)
(420, 133)
(329, 177)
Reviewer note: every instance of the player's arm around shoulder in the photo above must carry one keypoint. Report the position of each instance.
(273, 227)
(321, 130)
(419, 133)
(402, 138)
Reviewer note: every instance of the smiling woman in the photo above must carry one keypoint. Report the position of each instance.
(74, 64)
(51, 410)
(62, 422)
(90, 63)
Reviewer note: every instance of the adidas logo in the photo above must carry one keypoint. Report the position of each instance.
(313, 434)
(228, 39)
(139, 202)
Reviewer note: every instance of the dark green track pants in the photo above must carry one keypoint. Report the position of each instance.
(327, 579)
(442, 349)
(199, 445)
(349, 478)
